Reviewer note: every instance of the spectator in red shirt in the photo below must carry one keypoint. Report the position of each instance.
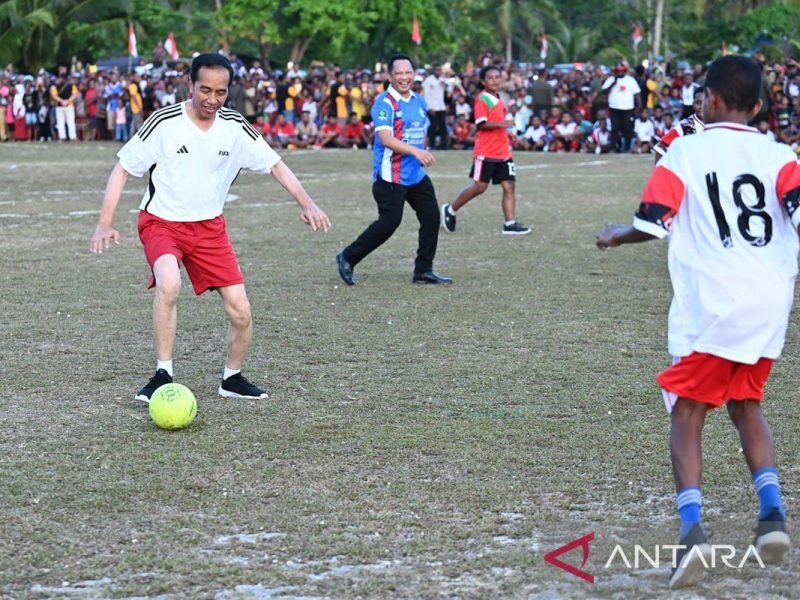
(463, 134)
(283, 132)
(354, 133)
(265, 128)
(330, 133)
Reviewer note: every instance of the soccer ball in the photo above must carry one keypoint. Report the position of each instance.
(173, 406)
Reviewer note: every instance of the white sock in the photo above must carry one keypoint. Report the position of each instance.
(509, 223)
(228, 372)
(166, 365)
(450, 210)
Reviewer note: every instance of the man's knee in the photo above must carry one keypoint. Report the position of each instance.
(168, 287)
(239, 311)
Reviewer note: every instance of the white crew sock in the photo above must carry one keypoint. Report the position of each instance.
(166, 365)
(509, 223)
(228, 372)
(450, 210)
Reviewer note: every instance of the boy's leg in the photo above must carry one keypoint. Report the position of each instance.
(509, 200)
(772, 541)
(688, 419)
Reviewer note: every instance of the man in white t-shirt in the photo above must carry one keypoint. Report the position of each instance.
(193, 151)
(434, 87)
(687, 96)
(644, 131)
(623, 97)
(728, 199)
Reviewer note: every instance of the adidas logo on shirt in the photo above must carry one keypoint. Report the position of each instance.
(183, 150)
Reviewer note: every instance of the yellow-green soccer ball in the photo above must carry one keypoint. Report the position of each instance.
(173, 406)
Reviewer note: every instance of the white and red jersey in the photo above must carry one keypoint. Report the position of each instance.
(728, 200)
(191, 170)
(691, 124)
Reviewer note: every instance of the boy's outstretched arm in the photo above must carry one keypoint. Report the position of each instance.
(616, 234)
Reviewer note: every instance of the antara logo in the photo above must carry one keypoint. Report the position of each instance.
(224, 153)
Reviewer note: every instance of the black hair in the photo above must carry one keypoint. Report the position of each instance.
(485, 71)
(211, 60)
(737, 80)
(397, 57)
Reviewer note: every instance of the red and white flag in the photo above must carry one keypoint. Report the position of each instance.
(132, 42)
(637, 36)
(545, 46)
(415, 35)
(171, 48)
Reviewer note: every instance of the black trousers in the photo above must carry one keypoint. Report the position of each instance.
(621, 129)
(391, 198)
(438, 127)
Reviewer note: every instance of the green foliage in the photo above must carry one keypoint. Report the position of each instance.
(39, 33)
(36, 33)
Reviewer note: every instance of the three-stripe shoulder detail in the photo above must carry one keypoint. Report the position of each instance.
(232, 115)
(158, 117)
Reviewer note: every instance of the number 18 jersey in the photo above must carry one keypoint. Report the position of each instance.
(728, 199)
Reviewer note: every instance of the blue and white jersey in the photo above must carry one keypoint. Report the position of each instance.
(407, 119)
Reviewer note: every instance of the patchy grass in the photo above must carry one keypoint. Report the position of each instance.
(418, 441)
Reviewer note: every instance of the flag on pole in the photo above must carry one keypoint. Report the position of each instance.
(415, 36)
(171, 48)
(637, 36)
(132, 42)
(545, 46)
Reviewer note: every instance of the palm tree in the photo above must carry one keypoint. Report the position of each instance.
(36, 32)
(575, 44)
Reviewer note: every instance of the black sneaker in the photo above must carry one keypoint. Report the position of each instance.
(516, 228)
(237, 386)
(156, 381)
(692, 560)
(448, 220)
(772, 541)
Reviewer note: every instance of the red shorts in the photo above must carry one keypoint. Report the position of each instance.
(713, 380)
(202, 247)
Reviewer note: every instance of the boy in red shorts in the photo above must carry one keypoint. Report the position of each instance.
(727, 198)
(193, 151)
(492, 161)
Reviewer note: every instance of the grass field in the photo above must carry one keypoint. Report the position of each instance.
(418, 442)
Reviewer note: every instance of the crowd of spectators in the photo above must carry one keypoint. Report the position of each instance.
(557, 109)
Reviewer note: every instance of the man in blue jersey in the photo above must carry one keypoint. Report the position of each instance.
(401, 122)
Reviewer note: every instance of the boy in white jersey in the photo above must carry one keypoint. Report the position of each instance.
(193, 152)
(728, 200)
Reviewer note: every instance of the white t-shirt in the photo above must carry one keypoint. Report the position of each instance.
(535, 134)
(566, 129)
(723, 198)
(433, 88)
(687, 94)
(644, 130)
(191, 170)
(622, 92)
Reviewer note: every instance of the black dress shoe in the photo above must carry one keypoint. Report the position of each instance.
(430, 277)
(345, 270)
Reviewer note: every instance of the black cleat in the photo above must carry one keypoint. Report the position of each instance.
(516, 228)
(772, 541)
(156, 381)
(448, 220)
(345, 270)
(237, 386)
(430, 277)
(692, 560)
